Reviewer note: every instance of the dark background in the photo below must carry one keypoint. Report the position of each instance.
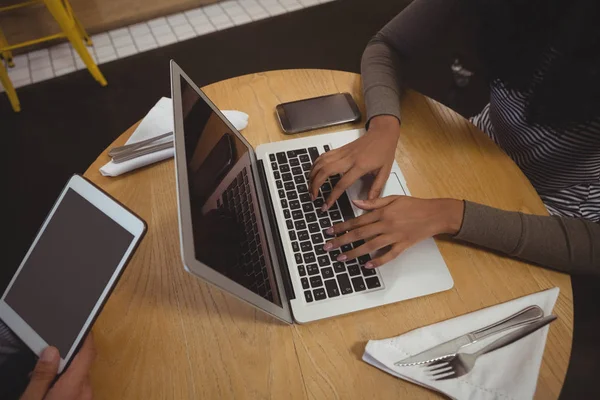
(66, 122)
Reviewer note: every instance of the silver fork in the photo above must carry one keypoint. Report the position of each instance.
(462, 363)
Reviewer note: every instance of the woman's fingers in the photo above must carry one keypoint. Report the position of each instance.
(362, 233)
(324, 159)
(322, 173)
(331, 157)
(394, 252)
(317, 181)
(379, 183)
(353, 223)
(370, 246)
(374, 203)
(347, 180)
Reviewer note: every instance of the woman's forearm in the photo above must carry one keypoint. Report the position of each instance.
(412, 31)
(566, 244)
(381, 79)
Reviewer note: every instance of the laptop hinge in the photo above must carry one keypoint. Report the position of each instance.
(282, 262)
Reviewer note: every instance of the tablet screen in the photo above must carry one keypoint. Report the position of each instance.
(67, 270)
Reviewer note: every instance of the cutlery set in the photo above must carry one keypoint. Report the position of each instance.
(448, 360)
(137, 149)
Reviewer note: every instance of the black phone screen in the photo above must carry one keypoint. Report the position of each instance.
(318, 112)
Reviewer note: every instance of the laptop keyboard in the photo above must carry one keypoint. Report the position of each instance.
(238, 201)
(321, 276)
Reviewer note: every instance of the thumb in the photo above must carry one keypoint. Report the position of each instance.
(43, 375)
(374, 204)
(379, 182)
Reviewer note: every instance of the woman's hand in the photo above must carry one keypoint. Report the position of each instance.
(371, 153)
(74, 384)
(396, 222)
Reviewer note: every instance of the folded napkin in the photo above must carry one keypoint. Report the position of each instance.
(507, 373)
(158, 121)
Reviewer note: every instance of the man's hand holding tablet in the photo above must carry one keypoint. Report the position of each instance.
(63, 282)
(74, 384)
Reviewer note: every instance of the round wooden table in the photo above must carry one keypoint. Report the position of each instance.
(165, 334)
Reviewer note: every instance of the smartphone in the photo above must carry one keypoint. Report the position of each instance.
(70, 270)
(317, 112)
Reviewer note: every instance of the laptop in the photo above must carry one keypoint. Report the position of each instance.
(249, 227)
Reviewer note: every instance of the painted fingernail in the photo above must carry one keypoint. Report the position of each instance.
(342, 257)
(369, 265)
(324, 208)
(329, 231)
(328, 246)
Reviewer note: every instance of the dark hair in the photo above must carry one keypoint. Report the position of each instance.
(516, 36)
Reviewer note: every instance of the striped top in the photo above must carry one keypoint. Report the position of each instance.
(563, 165)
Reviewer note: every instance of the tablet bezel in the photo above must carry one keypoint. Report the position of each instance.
(118, 213)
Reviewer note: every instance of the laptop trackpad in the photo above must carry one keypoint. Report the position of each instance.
(360, 189)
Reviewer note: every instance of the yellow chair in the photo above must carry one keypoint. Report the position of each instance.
(71, 29)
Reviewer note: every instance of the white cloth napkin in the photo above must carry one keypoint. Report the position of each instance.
(158, 121)
(507, 373)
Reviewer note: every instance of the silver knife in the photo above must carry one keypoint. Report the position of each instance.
(130, 155)
(525, 316)
(121, 150)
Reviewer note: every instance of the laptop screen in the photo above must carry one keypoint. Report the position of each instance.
(228, 233)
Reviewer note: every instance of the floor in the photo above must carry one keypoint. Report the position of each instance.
(61, 59)
(96, 15)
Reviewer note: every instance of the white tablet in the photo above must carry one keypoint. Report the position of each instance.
(70, 269)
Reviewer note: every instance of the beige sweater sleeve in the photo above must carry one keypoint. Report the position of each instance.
(565, 244)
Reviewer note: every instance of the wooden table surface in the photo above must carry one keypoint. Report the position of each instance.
(165, 334)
